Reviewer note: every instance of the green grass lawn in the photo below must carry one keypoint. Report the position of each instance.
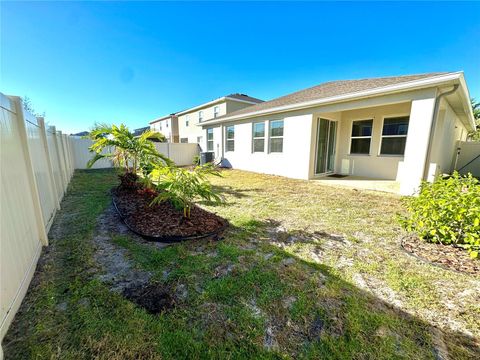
(305, 271)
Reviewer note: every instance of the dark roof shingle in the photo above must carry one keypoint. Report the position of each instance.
(329, 89)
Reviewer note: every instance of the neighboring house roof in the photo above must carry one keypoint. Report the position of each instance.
(332, 91)
(140, 131)
(232, 97)
(82, 133)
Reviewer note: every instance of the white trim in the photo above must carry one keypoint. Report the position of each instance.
(227, 139)
(319, 118)
(259, 137)
(408, 85)
(270, 137)
(210, 103)
(360, 137)
(379, 152)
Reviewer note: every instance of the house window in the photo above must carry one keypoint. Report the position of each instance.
(216, 111)
(199, 140)
(210, 139)
(200, 116)
(186, 120)
(276, 136)
(230, 138)
(394, 135)
(361, 137)
(160, 127)
(258, 137)
(184, 140)
(166, 124)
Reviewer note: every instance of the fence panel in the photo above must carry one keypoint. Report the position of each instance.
(45, 183)
(19, 228)
(468, 158)
(181, 154)
(81, 154)
(54, 159)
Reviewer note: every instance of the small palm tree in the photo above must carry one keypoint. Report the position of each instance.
(183, 187)
(118, 144)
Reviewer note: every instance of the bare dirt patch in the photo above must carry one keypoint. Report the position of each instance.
(154, 298)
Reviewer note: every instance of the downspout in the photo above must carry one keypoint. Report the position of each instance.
(426, 165)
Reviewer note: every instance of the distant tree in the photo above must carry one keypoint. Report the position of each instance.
(475, 135)
(28, 106)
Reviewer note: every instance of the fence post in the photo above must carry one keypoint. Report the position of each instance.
(37, 208)
(41, 124)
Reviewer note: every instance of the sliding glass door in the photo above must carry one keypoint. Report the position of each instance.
(326, 136)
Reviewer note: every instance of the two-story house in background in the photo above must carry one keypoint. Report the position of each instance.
(168, 126)
(183, 126)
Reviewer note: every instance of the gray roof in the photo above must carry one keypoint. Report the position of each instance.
(328, 89)
(244, 97)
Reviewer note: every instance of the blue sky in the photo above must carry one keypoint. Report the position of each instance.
(131, 62)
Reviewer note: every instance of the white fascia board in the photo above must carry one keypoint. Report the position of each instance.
(410, 85)
(160, 119)
(213, 102)
(466, 97)
(242, 101)
(219, 100)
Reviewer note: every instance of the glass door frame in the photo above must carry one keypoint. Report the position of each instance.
(327, 154)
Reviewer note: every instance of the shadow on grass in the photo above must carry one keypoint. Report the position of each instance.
(246, 298)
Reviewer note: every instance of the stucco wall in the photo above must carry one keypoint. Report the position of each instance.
(293, 162)
(192, 131)
(448, 131)
(372, 165)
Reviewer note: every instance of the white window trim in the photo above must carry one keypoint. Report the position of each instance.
(213, 142)
(216, 111)
(187, 121)
(264, 137)
(227, 139)
(200, 116)
(275, 137)
(360, 137)
(389, 116)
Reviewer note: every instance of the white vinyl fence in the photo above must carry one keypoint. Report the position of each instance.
(468, 159)
(36, 167)
(181, 154)
(37, 163)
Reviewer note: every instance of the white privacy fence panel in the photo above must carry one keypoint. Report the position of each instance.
(81, 154)
(36, 166)
(55, 159)
(43, 175)
(468, 159)
(181, 154)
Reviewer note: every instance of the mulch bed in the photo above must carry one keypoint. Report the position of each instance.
(446, 256)
(163, 220)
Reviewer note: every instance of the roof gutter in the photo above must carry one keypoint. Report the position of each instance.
(426, 165)
(410, 85)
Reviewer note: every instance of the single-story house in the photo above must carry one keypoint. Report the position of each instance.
(402, 128)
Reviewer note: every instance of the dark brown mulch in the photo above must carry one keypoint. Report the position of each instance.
(164, 219)
(446, 256)
(153, 298)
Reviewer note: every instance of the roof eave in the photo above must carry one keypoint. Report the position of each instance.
(410, 85)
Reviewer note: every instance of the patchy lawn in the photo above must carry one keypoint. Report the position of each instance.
(305, 271)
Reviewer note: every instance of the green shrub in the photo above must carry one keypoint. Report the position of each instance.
(447, 211)
(183, 187)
